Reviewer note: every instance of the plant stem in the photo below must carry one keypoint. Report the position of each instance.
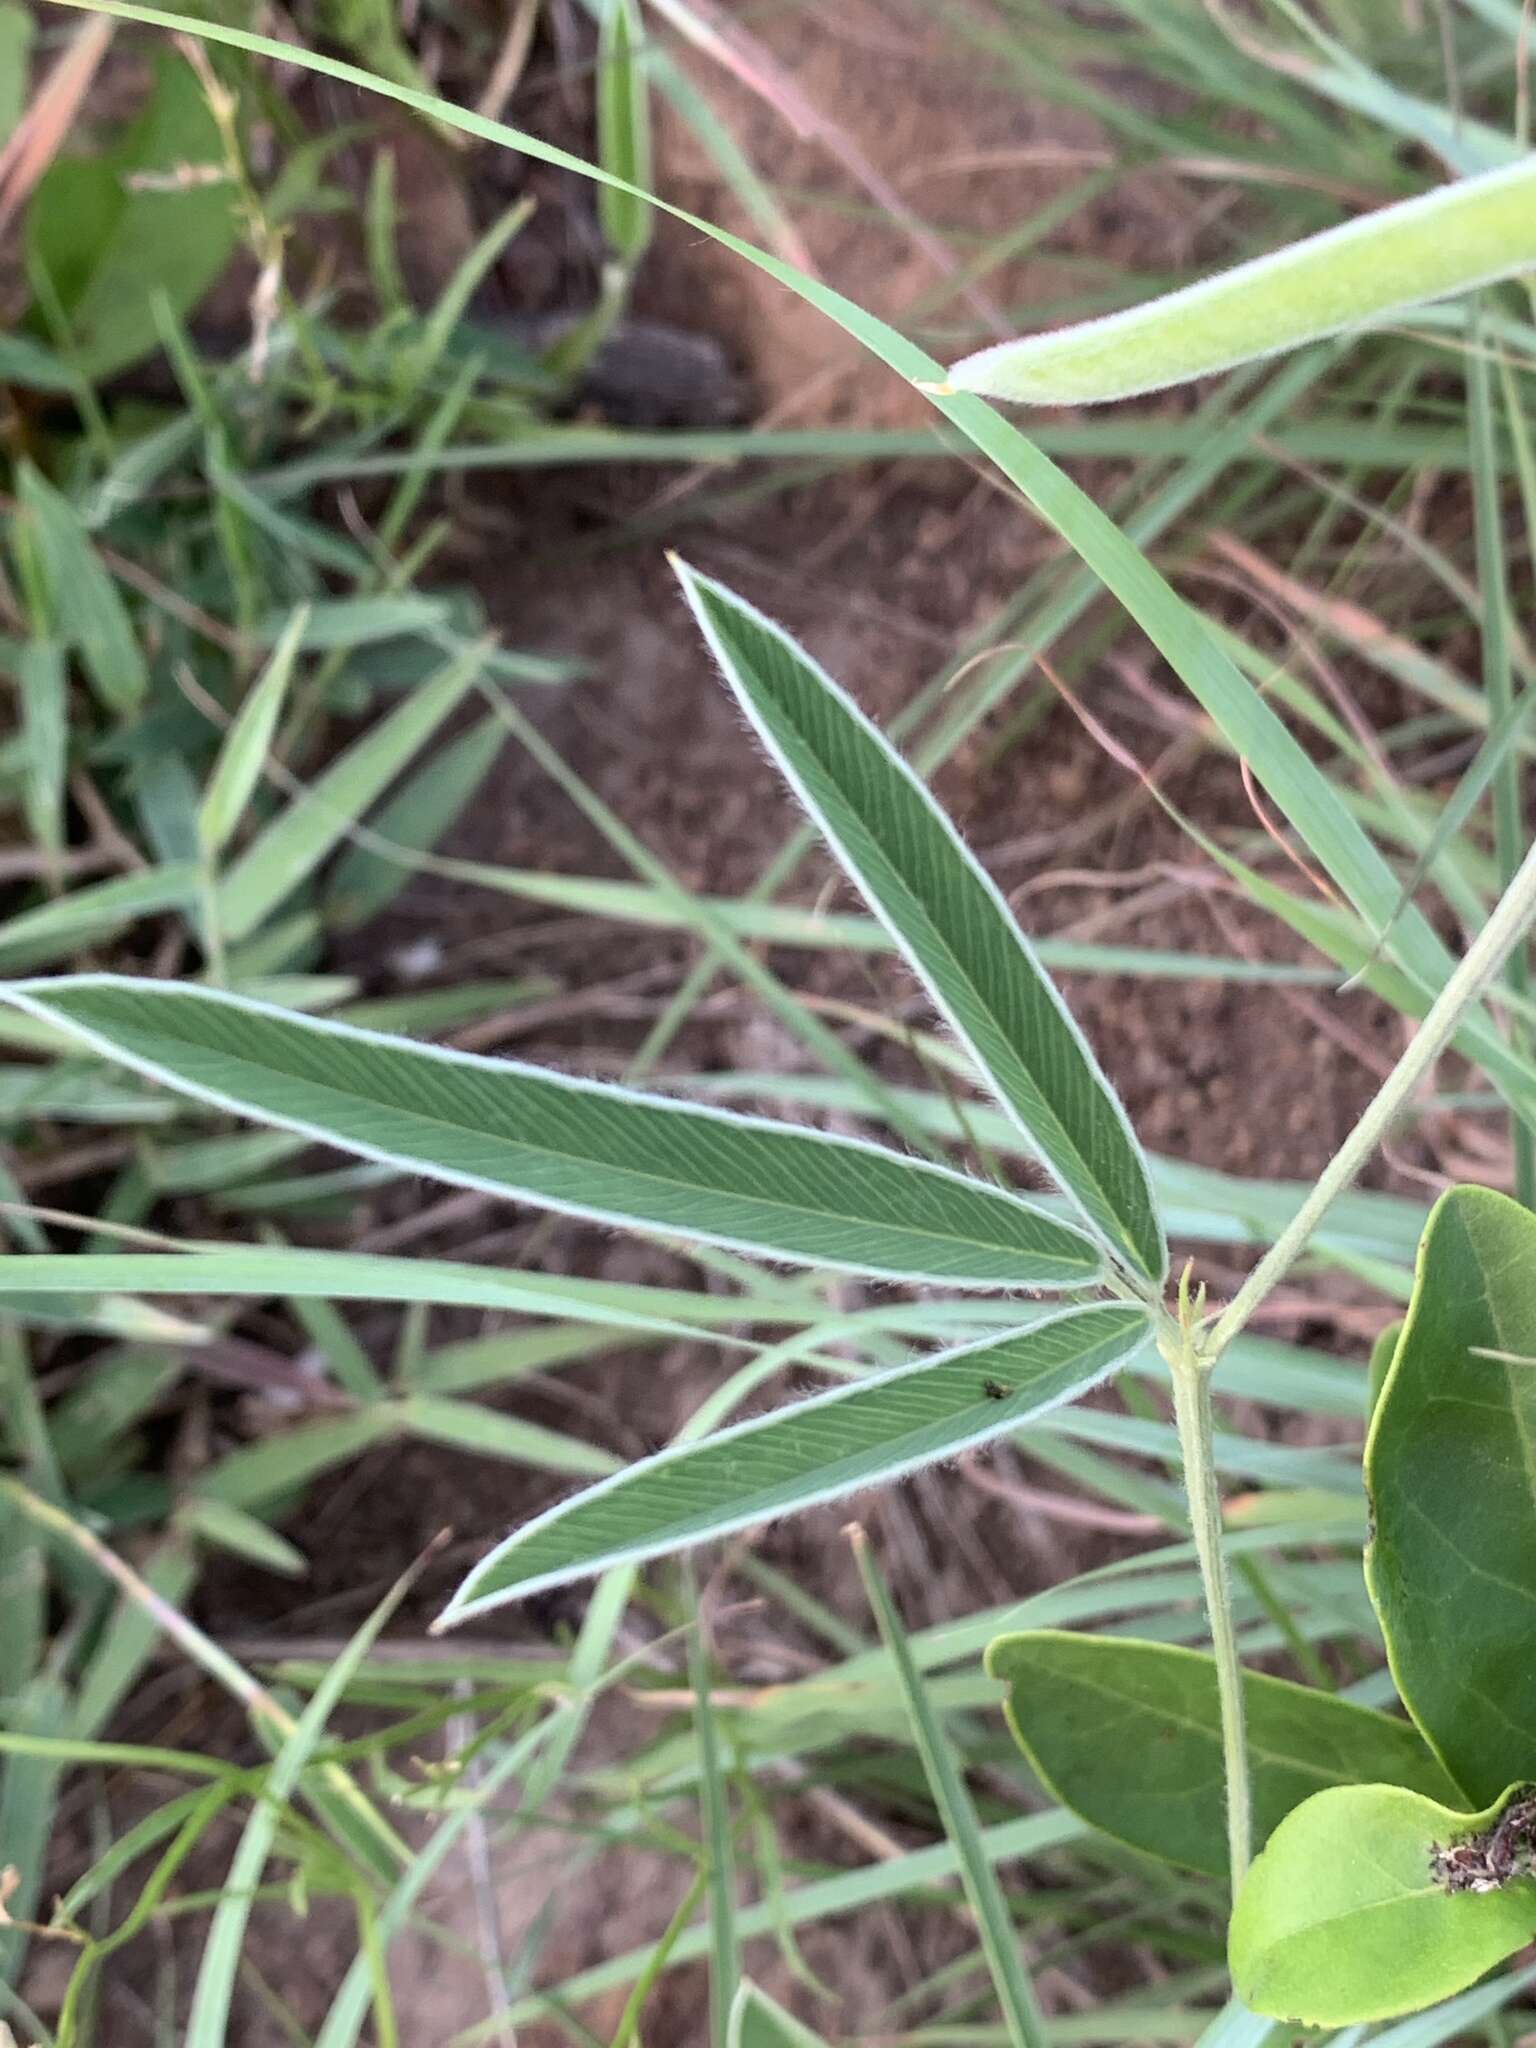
(1477, 968)
(1499, 688)
(1192, 1413)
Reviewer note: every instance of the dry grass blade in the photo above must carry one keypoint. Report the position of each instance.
(52, 115)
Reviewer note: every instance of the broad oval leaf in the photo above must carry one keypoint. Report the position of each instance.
(853, 1437)
(1343, 1918)
(946, 915)
(1128, 1734)
(1449, 240)
(1450, 1467)
(572, 1145)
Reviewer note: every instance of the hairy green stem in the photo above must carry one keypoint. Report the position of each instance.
(1477, 969)
(1192, 1412)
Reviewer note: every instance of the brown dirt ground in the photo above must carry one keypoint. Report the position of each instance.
(881, 571)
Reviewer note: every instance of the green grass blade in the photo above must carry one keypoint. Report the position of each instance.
(207, 2026)
(578, 1147)
(359, 1276)
(95, 912)
(296, 841)
(623, 130)
(17, 30)
(818, 1450)
(469, 1427)
(757, 2022)
(719, 1872)
(244, 752)
(84, 608)
(946, 915)
(42, 686)
(228, 1527)
(1022, 2018)
(807, 1904)
(364, 880)
(1498, 685)
(27, 1788)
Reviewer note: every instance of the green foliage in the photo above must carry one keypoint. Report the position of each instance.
(817, 1450)
(624, 130)
(1464, 234)
(116, 240)
(1452, 1563)
(757, 2022)
(1128, 1734)
(163, 547)
(946, 916)
(577, 1146)
(1343, 1918)
(75, 601)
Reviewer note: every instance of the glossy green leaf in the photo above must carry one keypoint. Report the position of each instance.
(244, 752)
(1342, 1918)
(1458, 236)
(818, 1450)
(576, 1146)
(1450, 1467)
(1128, 1734)
(946, 915)
(288, 851)
(84, 609)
